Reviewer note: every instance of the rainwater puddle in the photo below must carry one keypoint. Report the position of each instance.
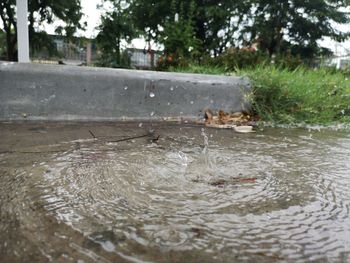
(180, 194)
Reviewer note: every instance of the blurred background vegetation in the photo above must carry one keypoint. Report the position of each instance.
(232, 34)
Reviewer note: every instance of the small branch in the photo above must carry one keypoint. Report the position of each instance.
(130, 138)
(156, 139)
(92, 134)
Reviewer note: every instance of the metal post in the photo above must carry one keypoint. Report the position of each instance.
(22, 31)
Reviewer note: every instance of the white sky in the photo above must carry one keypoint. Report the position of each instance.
(91, 16)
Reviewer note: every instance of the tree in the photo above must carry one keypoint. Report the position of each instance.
(281, 25)
(178, 36)
(210, 20)
(40, 11)
(2, 44)
(214, 24)
(115, 27)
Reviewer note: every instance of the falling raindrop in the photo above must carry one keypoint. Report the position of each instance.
(140, 125)
(126, 87)
(191, 102)
(171, 88)
(211, 101)
(168, 103)
(152, 95)
(152, 113)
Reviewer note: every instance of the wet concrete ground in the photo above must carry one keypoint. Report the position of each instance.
(148, 192)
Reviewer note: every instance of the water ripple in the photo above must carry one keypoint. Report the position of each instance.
(279, 196)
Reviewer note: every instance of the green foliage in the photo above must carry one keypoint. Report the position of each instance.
(207, 19)
(41, 42)
(199, 69)
(2, 45)
(115, 27)
(48, 11)
(300, 95)
(178, 37)
(167, 62)
(234, 58)
(284, 96)
(279, 25)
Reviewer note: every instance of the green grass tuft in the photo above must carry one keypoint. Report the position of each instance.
(300, 96)
(194, 68)
(284, 96)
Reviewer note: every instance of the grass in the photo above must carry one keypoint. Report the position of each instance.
(297, 96)
(194, 68)
(302, 95)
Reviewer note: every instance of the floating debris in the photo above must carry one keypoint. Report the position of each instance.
(238, 121)
(243, 129)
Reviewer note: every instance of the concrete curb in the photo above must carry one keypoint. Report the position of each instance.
(70, 93)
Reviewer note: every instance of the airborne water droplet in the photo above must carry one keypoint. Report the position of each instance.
(152, 95)
(152, 113)
(126, 87)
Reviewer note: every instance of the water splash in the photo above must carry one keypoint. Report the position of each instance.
(206, 140)
(183, 158)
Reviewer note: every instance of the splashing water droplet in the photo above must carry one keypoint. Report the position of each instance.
(168, 103)
(192, 102)
(126, 87)
(152, 113)
(152, 95)
(140, 125)
(171, 88)
(211, 101)
(183, 158)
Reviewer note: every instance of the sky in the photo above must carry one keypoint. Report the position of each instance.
(92, 16)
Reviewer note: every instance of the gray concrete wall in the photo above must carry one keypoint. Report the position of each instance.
(61, 92)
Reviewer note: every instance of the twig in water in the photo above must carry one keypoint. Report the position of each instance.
(156, 139)
(92, 134)
(131, 138)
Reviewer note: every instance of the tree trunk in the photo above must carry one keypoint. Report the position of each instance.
(10, 47)
(118, 52)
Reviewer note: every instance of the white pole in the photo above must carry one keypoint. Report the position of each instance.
(22, 31)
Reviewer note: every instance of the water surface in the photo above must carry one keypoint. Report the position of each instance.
(180, 194)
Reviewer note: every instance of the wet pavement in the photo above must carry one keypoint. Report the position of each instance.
(148, 192)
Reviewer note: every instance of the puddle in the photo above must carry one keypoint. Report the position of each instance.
(179, 194)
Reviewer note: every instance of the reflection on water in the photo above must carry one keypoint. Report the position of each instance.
(195, 195)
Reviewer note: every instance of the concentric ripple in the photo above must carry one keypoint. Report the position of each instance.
(264, 197)
(193, 196)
